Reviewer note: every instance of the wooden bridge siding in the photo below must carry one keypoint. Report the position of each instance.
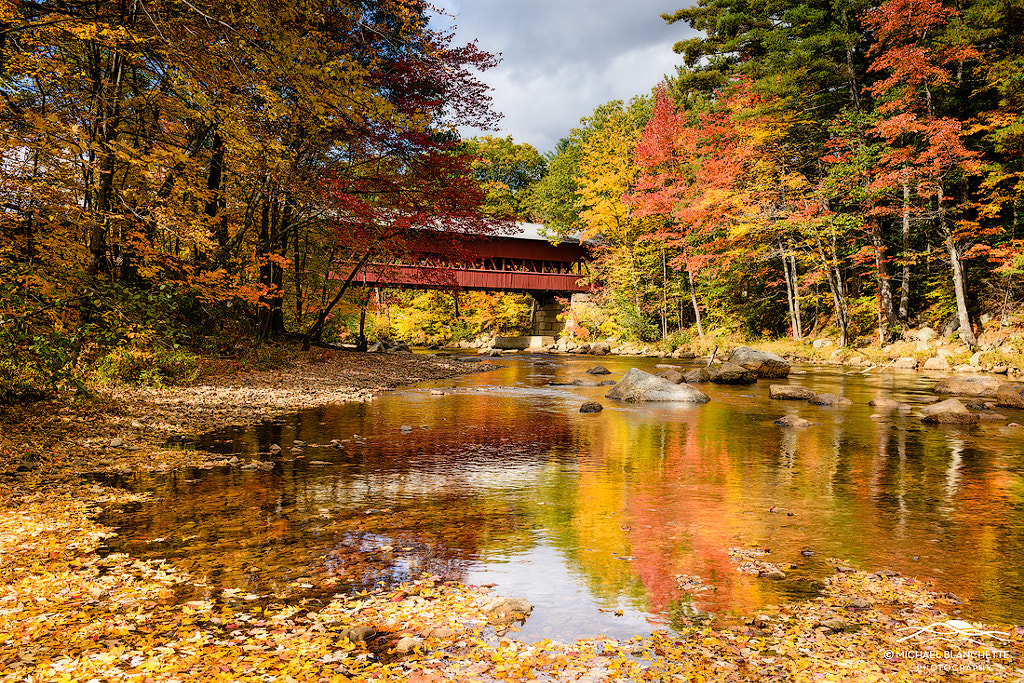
(496, 246)
(472, 278)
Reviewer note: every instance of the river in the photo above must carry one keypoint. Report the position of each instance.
(595, 517)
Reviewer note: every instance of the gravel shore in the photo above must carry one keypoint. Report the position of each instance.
(128, 428)
(249, 397)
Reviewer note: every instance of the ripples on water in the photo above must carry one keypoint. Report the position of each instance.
(503, 481)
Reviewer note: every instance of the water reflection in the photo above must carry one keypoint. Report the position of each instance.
(502, 480)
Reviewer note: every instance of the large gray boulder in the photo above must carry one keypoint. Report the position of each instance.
(950, 411)
(637, 386)
(984, 387)
(761, 363)
(730, 373)
(1010, 395)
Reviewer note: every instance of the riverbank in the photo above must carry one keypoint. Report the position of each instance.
(126, 428)
(69, 613)
(1000, 350)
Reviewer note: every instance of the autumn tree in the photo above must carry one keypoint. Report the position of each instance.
(508, 172)
(185, 145)
(926, 151)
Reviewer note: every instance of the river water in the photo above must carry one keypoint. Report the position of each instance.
(593, 517)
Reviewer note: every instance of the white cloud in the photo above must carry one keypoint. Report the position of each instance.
(562, 58)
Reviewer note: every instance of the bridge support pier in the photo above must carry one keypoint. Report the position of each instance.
(546, 310)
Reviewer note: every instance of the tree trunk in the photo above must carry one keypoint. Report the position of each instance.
(887, 327)
(693, 301)
(959, 277)
(905, 275)
(316, 331)
(792, 293)
(664, 295)
(834, 276)
(271, 313)
(214, 180)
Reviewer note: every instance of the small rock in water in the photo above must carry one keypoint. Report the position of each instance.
(829, 399)
(405, 428)
(436, 392)
(116, 442)
(591, 407)
(274, 449)
(793, 421)
(859, 603)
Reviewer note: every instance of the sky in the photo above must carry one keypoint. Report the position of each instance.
(563, 58)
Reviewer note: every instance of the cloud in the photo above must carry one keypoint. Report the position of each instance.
(561, 59)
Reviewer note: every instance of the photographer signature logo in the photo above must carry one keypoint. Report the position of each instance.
(952, 630)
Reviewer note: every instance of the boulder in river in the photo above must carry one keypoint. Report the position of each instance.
(828, 399)
(762, 363)
(950, 411)
(672, 375)
(790, 392)
(984, 387)
(793, 421)
(637, 386)
(591, 407)
(1010, 395)
(697, 375)
(884, 403)
(729, 373)
(599, 370)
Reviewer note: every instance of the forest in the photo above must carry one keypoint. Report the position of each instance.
(184, 179)
(842, 168)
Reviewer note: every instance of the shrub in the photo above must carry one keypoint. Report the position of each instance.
(141, 365)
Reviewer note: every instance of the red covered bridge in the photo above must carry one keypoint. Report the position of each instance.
(522, 262)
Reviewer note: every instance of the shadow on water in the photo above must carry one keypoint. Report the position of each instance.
(595, 518)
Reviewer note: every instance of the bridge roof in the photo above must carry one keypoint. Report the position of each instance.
(535, 231)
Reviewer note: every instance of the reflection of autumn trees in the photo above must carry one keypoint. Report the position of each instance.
(630, 499)
(676, 489)
(436, 496)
